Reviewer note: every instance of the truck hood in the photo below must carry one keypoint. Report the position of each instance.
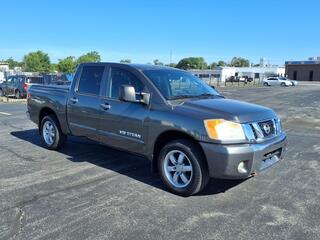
(228, 109)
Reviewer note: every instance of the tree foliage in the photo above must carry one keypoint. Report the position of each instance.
(173, 65)
(157, 62)
(240, 62)
(92, 56)
(67, 65)
(213, 65)
(222, 63)
(125, 61)
(13, 63)
(192, 63)
(37, 62)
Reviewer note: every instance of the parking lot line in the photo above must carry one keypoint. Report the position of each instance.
(4, 113)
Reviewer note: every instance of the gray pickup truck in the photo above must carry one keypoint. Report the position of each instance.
(185, 128)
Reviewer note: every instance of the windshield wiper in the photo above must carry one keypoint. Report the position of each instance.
(205, 95)
(180, 97)
(195, 96)
(208, 95)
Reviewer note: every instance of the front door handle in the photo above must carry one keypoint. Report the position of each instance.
(105, 106)
(74, 100)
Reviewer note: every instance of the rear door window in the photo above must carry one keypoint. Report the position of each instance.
(90, 80)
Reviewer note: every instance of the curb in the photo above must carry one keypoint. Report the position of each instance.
(12, 100)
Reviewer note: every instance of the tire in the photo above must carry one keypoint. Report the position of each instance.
(17, 94)
(1, 93)
(265, 84)
(283, 84)
(51, 134)
(191, 175)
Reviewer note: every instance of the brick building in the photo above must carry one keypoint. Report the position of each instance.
(303, 70)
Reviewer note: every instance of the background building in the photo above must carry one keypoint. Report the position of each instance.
(222, 74)
(304, 70)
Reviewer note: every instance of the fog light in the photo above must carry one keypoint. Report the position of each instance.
(242, 167)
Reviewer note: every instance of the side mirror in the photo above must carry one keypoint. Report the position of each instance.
(145, 98)
(128, 94)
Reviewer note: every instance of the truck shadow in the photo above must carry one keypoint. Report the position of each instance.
(135, 167)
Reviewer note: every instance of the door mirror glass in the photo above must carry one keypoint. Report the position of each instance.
(127, 93)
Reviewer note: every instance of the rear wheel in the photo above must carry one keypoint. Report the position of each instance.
(182, 167)
(283, 84)
(51, 134)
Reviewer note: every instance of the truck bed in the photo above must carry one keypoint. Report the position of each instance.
(49, 96)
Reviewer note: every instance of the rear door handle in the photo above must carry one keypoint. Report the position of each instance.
(105, 106)
(74, 100)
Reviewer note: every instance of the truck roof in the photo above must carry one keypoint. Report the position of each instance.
(141, 67)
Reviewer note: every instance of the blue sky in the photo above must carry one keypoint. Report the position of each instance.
(144, 30)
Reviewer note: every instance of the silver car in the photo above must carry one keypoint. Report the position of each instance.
(277, 81)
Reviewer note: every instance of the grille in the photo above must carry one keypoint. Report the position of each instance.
(267, 128)
(262, 130)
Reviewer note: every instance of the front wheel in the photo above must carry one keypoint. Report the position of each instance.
(51, 134)
(265, 84)
(283, 84)
(182, 167)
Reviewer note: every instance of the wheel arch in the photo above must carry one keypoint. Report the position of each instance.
(45, 112)
(166, 137)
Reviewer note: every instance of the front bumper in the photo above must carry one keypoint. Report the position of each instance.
(223, 160)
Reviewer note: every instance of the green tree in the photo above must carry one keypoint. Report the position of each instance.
(13, 63)
(157, 62)
(54, 67)
(173, 65)
(92, 56)
(37, 62)
(192, 63)
(67, 65)
(213, 65)
(240, 62)
(125, 61)
(222, 63)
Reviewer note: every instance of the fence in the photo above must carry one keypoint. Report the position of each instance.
(246, 80)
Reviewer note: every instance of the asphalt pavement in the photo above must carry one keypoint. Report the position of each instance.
(89, 191)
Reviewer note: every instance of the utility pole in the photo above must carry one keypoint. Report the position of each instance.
(170, 56)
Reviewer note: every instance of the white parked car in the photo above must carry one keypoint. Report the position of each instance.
(277, 81)
(294, 82)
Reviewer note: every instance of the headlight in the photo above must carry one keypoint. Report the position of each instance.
(223, 130)
(278, 125)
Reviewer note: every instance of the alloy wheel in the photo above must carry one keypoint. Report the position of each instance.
(49, 133)
(178, 168)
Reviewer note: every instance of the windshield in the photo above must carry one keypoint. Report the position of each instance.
(175, 84)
